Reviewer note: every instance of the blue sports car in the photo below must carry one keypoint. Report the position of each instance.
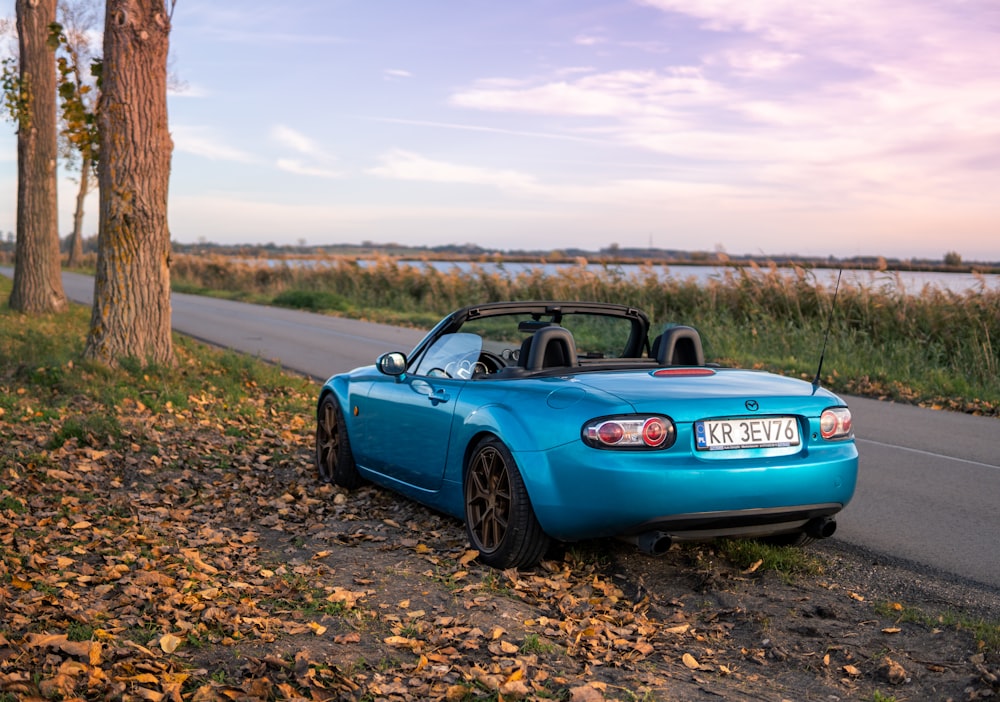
(535, 421)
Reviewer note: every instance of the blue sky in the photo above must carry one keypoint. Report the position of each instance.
(828, 127)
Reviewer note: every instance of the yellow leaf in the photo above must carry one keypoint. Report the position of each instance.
(754, 566)
(401, 641)
(690, 661)
(856, 596)
(851, 670)
(891, 630)
(516, 675)
(169, 644)
(422, 548)
(468, 557)
(148, 678)
(318, 629)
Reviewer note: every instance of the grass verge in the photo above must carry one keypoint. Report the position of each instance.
(930, 347)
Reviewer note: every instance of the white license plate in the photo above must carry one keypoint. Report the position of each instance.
(757, 432)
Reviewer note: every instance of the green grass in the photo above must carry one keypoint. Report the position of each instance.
(312, 300)
(534, 644)
(934, 346)
(787, 561)
(985, 632)
(63, 387)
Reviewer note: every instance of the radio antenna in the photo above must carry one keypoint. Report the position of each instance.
(826, 335)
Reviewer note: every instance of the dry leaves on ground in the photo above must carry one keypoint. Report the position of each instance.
(189, 559)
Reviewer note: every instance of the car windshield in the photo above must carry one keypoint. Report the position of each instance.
(453, 356)
(596, 335)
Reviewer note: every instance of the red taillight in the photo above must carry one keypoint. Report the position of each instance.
(610, 433)
(630, 432)
(654, 432)
(836, 423)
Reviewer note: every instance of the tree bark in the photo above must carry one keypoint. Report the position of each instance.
(131, 313)
(76, 239)
(37, 286)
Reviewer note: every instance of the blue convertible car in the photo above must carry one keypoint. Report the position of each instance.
(535, 421)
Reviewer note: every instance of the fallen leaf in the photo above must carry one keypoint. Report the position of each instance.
(169, 643)
(585, 693)
(690, 661)
(317, 628)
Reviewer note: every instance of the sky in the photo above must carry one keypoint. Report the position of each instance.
(830, 127)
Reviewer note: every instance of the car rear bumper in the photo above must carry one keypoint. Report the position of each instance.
(578, 494)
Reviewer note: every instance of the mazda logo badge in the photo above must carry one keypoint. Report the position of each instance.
(752, 405)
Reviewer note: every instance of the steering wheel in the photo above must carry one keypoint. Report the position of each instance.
(461, 369)
(490, 362)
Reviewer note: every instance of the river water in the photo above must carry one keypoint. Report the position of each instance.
(909, 282)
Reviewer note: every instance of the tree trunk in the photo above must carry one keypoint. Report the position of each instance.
(131, 314)
(37, 286)
(76, 239)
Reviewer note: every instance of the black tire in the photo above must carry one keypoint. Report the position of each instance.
(334, 460)
(499, 519)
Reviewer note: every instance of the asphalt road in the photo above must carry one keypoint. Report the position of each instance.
(929, 489)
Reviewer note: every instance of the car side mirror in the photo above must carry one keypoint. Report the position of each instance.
(392, 363)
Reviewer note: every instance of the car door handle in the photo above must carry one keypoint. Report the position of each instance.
(438, 396)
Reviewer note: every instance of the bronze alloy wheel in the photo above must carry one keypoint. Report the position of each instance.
(489, 499)
(499, 518)
(334, 460)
